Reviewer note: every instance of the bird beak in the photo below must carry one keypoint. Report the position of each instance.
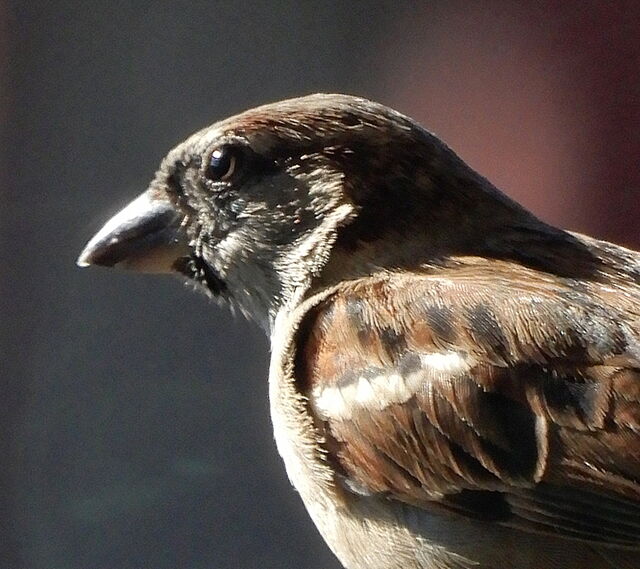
(145, 236)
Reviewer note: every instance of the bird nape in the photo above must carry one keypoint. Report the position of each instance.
(453, 383)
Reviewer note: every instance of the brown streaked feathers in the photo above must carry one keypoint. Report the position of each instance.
(538, 430)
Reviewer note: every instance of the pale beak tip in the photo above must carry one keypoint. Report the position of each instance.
(98, 251)
(84, 260)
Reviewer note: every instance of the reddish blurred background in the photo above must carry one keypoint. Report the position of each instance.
(543, 98)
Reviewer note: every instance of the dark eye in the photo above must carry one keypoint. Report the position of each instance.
(223, 162)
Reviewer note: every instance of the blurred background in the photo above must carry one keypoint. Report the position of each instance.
(134, 429)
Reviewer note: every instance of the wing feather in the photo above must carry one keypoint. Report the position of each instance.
(516, 402)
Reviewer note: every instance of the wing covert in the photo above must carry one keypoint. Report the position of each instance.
(514, 404)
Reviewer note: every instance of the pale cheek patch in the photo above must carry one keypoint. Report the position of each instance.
(374, 392)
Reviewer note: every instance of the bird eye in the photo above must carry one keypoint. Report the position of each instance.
(222, 164)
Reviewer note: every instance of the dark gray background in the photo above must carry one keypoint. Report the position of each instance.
(133, 414)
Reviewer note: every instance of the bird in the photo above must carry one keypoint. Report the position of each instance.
(453, 382)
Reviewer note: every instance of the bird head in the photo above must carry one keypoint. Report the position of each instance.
(255, 208)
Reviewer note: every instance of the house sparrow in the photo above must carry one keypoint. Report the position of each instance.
(454, 384)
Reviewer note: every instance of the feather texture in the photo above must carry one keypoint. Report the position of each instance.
(533, 421)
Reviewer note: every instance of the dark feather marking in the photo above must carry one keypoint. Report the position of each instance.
(584, 526)
(352, 376)
(487, 333)
(408, 364)
(393, 342)
(516, 422)
(609, 506)
(576, 401)
(355, 311)
(583, 518)
(481, 505)
(441, 320)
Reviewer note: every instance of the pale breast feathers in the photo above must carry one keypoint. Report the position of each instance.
(514, 402)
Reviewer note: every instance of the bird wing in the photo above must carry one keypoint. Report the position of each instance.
(512, 400)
